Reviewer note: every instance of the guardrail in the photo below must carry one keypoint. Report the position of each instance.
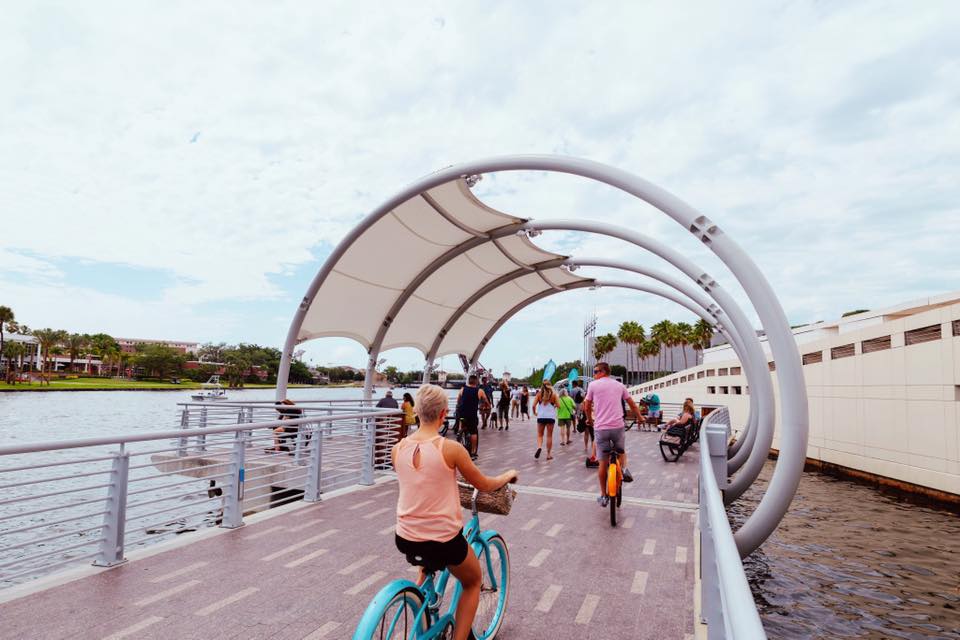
(727, 604)
(65, 502)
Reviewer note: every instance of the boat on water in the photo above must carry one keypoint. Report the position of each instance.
(211, 390)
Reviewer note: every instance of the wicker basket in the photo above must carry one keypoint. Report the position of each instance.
(497, 502)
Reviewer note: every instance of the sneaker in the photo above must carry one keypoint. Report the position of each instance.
(537, 454)
(603, 501)
(627, 476)
(592, 463)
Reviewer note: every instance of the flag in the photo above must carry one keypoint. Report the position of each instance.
(573, 375)
(549, 369)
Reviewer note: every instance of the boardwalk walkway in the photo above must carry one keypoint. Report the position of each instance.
(308, 571)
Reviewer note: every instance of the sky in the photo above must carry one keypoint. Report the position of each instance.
(180, 170)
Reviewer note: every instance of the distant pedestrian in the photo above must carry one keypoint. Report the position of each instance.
(503, 407)
(515, 401)
(409, 416)
(545, 405)
(566, 413)
(525, 403)
(486, 407)
(468, 401)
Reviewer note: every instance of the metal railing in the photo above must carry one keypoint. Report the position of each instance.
(62, 503)
(727, 604)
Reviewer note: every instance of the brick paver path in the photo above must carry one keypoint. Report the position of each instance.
(310, 572)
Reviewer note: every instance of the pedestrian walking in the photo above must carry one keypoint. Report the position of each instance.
(503, 406)
(515, 394)
(409, 416)
(525, 403)
(468, 402)
(545, 405)
(566, 411)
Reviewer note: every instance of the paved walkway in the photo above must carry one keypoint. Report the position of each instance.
(310, 572)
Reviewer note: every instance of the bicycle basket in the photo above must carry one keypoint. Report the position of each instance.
(497, 502)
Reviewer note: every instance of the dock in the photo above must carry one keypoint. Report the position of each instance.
(308, 570)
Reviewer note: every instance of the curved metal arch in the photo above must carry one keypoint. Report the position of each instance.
(736, 341)
(794, 417)
(757, 455)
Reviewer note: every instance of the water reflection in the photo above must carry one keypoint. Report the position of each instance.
(850, 561)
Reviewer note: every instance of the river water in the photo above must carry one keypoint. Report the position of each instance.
(848, 561)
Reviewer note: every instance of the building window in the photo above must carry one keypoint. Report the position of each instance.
(711, 389)
(956, 327)
(711, 373)
(722, 372)
(875, 344)
(747, 389)
(813, 358)
(735, 371)
(737, 391)
(700, 374)
(844, 351)
(772, 365)
(923, 334)
(724, 390)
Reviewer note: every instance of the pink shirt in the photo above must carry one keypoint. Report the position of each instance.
(605, 394)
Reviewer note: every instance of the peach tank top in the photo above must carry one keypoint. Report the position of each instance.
(429, 504)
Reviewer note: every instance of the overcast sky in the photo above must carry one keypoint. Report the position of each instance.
(169, 171)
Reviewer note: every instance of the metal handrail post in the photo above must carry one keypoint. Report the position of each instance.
(233, 496)
(202, 438)
(369, 449)
(315, 467)
(717, 436)
(115, 518)
(182, 442)
(298, 447)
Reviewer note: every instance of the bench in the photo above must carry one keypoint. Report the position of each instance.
(675, 441)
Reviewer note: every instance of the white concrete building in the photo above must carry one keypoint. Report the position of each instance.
(883, 387)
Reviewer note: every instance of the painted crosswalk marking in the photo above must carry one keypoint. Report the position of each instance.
(374, 514)
(554, 530)
(350, 568)
(166, 594)
(366, 582)
(299, 545)
(681, 556)
(391, 529)
(307, 558)
(530, 524)
(220, 604)
(179, 572)
(539, 558)
(306, 525)
(360, 505)
(323, 631)
(628, 523)
(639, 582)
(548, 598)
(546, 505)
(131, 630)
(649, 545)
(585, 614)
(265, 532)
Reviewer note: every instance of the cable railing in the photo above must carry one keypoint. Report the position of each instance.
(727, 604)
(67, 502)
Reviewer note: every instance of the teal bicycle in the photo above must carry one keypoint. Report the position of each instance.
(404, 611)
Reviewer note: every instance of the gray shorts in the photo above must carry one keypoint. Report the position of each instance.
(610, 440)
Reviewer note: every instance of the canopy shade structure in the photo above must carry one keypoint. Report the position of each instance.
(435, 272)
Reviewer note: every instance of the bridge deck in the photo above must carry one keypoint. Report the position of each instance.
(309, 570)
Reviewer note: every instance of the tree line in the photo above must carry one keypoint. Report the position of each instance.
(156, 361)
(643, 346)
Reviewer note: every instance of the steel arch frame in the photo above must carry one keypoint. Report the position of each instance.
(794, 414)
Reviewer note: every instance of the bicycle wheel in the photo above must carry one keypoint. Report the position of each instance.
(493, 600)
(612, 491)
(393, 620)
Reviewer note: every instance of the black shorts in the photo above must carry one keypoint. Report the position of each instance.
(469, 424)
(549, 421)
(434, 556)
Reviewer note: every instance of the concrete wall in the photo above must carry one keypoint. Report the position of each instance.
(893, 413)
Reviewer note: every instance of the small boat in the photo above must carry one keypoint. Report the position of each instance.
(211, 390)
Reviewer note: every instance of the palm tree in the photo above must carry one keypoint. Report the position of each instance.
(702, 335)
(647, 349)
(75, 344)
(684, 336)
(6, 318)
(660, 333)
(630, 333)
(604, 345)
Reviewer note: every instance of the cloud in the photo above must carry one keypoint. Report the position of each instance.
(231, 146)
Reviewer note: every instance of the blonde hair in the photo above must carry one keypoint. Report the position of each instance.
(431, 400)
(546, 391)
(688, 407)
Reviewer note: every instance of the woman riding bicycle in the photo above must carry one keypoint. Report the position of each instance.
(429, 517)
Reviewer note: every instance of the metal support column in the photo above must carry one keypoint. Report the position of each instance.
(233, 491)
(315, 467)
(115, 519)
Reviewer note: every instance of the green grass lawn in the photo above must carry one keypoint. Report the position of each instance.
(109, 384)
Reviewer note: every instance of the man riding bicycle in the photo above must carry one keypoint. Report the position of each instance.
(603, 410)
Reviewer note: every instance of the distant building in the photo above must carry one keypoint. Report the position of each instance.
(129, 345)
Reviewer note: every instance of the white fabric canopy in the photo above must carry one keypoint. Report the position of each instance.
(396, 257)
